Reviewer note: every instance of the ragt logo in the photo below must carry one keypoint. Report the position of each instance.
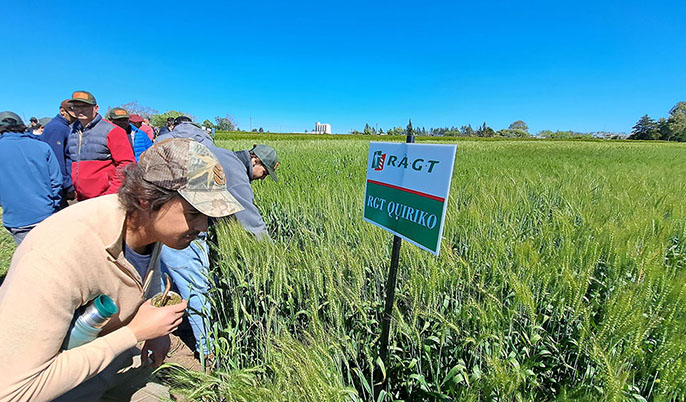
(378, 161)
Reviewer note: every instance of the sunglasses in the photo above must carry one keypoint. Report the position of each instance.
(81, 106)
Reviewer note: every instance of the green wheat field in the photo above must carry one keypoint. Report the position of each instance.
(562, 275)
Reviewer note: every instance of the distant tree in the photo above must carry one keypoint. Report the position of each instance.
(208, 124)
(226, 123)
(645, 129)
(544, 134)
(512, 133)
(664, 129)
(519, 125)
(396, 131)
(409, 130)
(159, 120)
(367, 129)
(467, 130)
(261, 130)
(485, 131)
(677, 122)
(145, 112)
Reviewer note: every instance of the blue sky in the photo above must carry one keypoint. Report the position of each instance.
(579, 66)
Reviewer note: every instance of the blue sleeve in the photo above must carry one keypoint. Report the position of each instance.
(142, 142)
(55, 178)
(147, 142)
(68, 162)
(250, 217)
(67, 184)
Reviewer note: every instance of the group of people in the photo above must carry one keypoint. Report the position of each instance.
(103, 207)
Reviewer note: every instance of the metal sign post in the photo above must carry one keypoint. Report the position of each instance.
(406, 193)
(390, 296)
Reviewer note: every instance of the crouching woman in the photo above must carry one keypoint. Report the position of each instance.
(110, 246)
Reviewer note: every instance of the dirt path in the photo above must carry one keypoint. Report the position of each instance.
(182, 350)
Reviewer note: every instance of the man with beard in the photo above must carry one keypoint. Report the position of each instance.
(98, 150)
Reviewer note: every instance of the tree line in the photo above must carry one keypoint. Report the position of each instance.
(517, 129)
(672, 128)
(157, 119)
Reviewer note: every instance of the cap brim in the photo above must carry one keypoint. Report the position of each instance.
(92, 103)
(271, 173)
(214, 204)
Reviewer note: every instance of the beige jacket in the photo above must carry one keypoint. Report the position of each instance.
(64, 263)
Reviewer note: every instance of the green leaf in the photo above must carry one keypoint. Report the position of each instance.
(382, 395)
(382, 367)
(363, 380)
(452, 373)
(421, 380)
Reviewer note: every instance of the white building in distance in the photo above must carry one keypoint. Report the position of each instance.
(320, 128)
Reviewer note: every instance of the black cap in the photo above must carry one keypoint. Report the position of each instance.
(10, 119)
(182, 119)
(33, 120)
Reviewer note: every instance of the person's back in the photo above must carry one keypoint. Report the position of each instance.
(147, 130)
(141, 142)
(238, 175)
(189, 268)
(31, 183)
(56, 134)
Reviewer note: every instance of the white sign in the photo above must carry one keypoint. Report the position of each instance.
(407, 190)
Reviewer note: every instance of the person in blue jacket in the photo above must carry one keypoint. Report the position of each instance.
(56, 134)
(31, 182)
(138, 138)
(189, 267)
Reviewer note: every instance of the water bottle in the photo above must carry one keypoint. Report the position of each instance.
(87, 326)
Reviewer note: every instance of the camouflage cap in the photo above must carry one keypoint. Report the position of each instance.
(83, 96)
(117, 113)
(190, 168)
(268, 158)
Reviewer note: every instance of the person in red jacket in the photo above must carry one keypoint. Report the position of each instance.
(139, 122)
(98, 150)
